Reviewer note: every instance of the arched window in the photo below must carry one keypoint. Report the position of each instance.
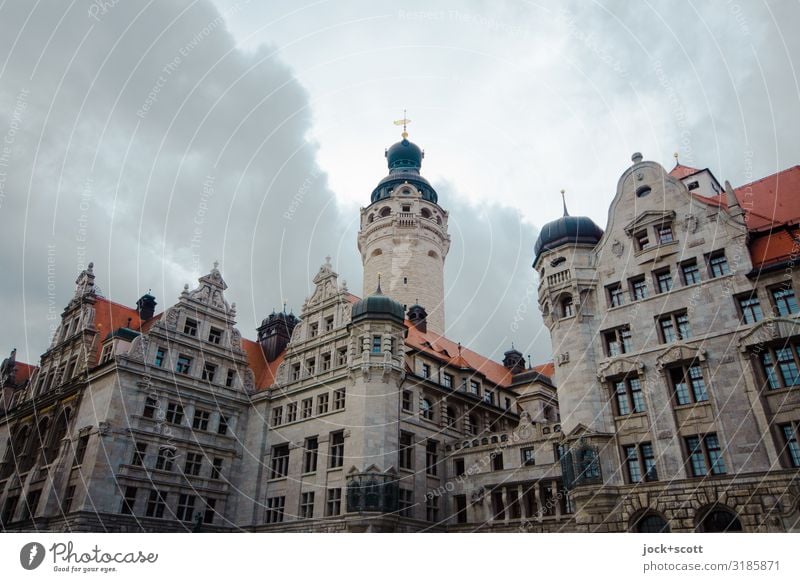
(643, 191)
(385, 211)
(371, 218)
(718, 519)
(426, 409)
(439, 220)
(433, 254)
(425, 213)
(651, 523)
(376, 252)
(567, 307)
(33, 446)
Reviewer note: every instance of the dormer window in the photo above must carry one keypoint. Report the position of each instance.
(107, 353)
(693, 185)
(215, 336)
(190, 327)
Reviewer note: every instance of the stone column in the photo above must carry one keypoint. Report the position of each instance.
(554, 490)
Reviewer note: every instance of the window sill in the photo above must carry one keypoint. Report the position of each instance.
(700, 404)
(631, 415)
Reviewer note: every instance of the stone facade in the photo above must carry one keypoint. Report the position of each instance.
(676, 402)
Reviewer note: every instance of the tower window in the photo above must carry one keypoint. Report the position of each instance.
(567, 307)
(643, 191)
(406, 209)
(405, 280)
(385, 211)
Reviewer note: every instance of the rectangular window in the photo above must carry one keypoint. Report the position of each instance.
(161, 357)
(341, 357)
(426, 370)
(291, 412)
(664, 233)
(749, 309)
(497, 461)
(209, 371)
(406, 502)
(296, 372)
(618, 341)
(230, 377)
(128, 501)
(632, 461)
(310, 455)
(498, 507)
(690, 272)
(139, 453)
(322, 403)
(215, 336)
(432, 508)
(789, 433)
(458, 467)
(185, 510)
(616, 296)
(474, 387)
(190, 327)
(210, 512)
(174, 413)
(156, 503)
(165, 459)
(705, 452)
(406, 452)
(336, 450)
(447, 380)
(150, 407)
(277, 415)
(200, 421)
(488, 396)
(431, 457)
(649, 459)
(326, 362)
(333, 505)
(329, 323)
(640, 463)
(688, 384)
(784, 300)
(629, 396)
(194, 461)
(674, 327)
(642, 240)
(528, 457)
(376, 344)
(80, 450)
(222, 426)
(780, 366)
(183, 365)
(275, 508)
(314, 330)
(216, 468)
(306, 408)
(718, 264)
(307, 505)
(311, 366)
(460, 508)
(663, 281)
(338, 399)
(408, 399)
(107, 353)
(638, 288)
(69, 497)
(279, 466)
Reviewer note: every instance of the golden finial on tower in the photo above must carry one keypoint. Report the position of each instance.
(404, 122)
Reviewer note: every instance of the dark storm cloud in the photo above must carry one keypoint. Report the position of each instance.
(142, 139)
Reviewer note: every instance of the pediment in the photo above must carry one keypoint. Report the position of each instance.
(647, 218)
(619, 367)
(680, 353)
(769, 330)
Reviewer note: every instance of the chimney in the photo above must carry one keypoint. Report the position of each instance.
(146, 306)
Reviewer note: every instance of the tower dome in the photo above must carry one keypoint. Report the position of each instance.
(404, 154)
(567, 230)
(404, 160)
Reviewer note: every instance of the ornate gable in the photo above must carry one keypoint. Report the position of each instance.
(647, 218)
(768, 330)
(619, 367)
(680, 353)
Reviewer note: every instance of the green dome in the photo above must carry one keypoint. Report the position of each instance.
(378, 306)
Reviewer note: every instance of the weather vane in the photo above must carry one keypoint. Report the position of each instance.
(404, 122)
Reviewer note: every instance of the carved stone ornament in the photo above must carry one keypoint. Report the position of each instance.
(617, 248)
(680, 353)
(640, 176)
(249, 380)
(690, 223)
(563, 358)
(171, 320)
(768, 330)
(619, 367)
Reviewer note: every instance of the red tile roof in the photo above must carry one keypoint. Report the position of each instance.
(23, 372)
(265, 372)
(680, 172)
(771, 201)
(110, 316)
(448, 351)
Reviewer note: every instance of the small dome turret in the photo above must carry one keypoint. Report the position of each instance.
(378, 306)
(567, 230)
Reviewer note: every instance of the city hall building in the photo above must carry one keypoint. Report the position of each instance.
(672, 401)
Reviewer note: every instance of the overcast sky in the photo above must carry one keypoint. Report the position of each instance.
(155, 138)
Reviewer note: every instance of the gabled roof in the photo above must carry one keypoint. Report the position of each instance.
(680, 171)
(110, 316)
(265, 372)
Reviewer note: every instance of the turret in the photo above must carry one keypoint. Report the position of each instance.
(275, 332)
